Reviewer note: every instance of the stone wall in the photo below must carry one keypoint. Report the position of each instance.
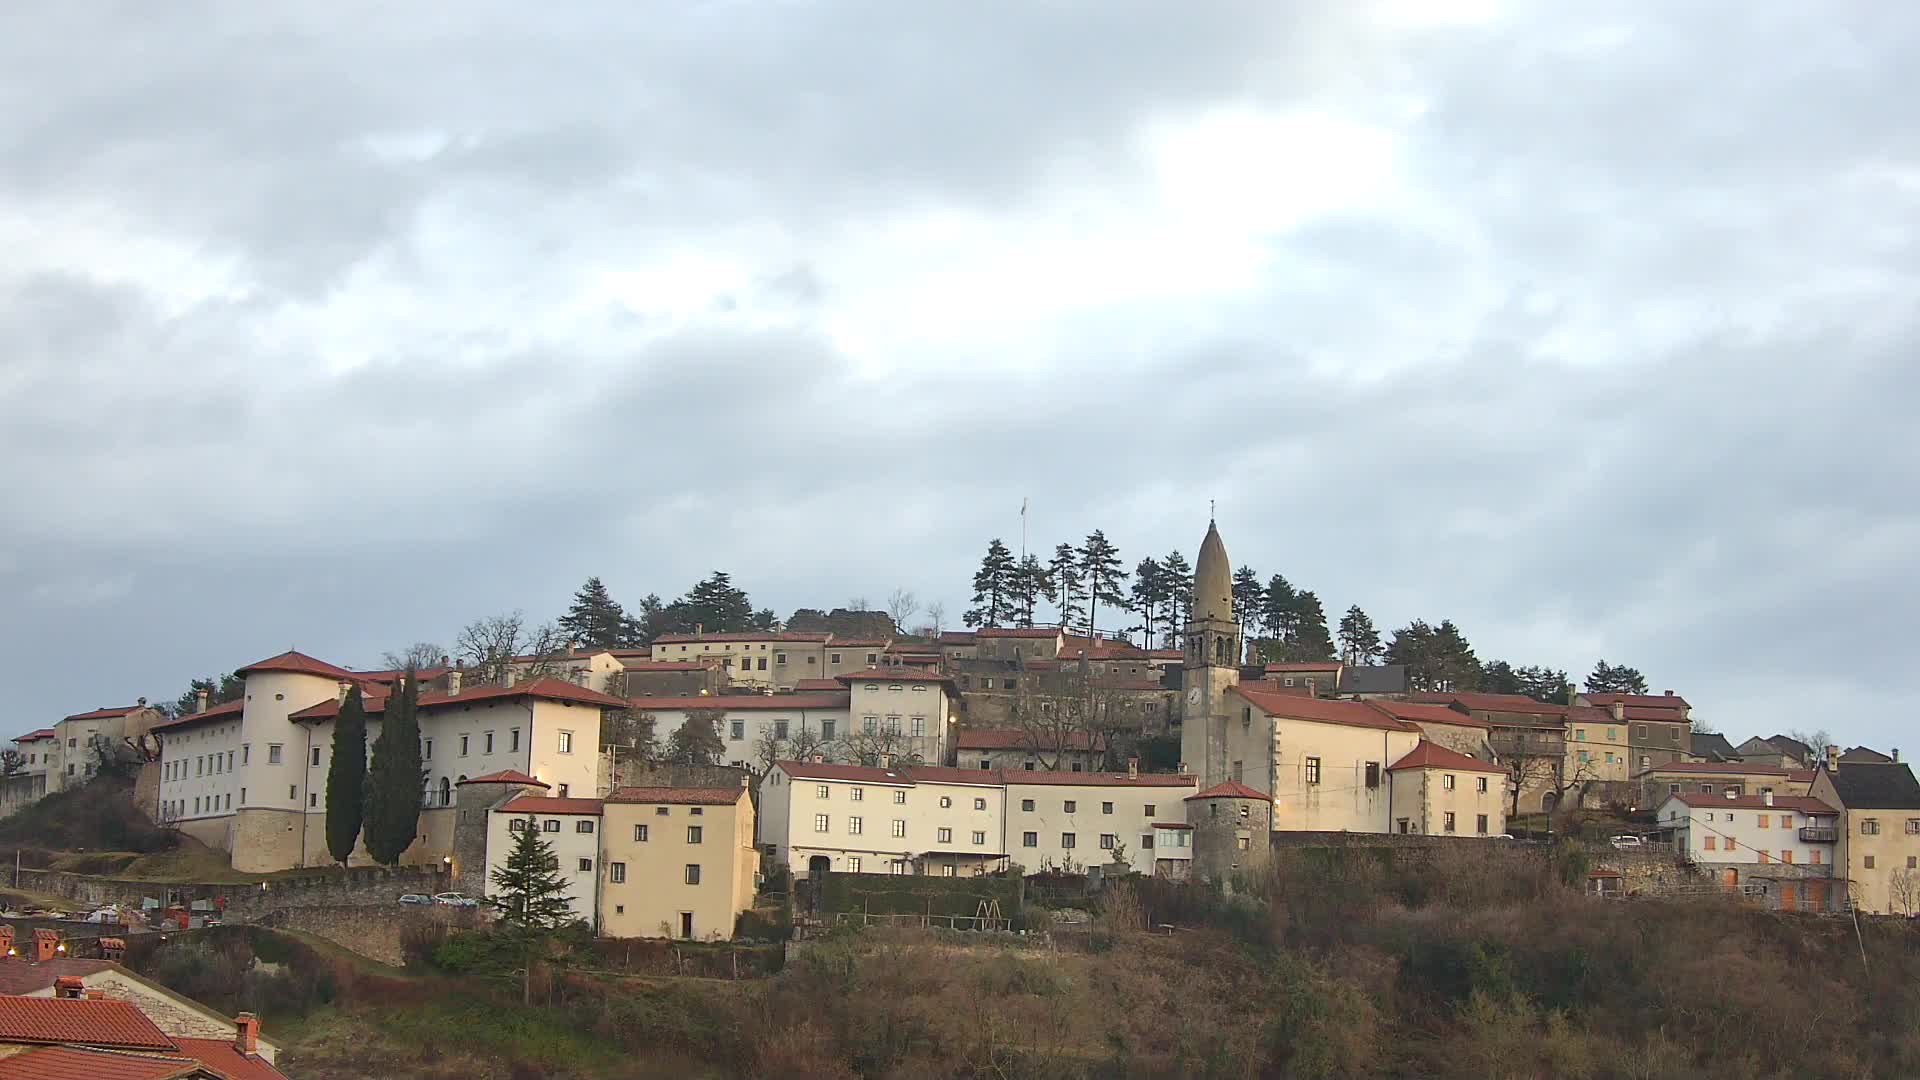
(370, 886)
(1649, 872)
(373, 932)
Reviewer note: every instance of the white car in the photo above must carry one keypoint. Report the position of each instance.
(415, 898)
(1627, 842)
(454, 899)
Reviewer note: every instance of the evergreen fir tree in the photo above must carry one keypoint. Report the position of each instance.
(1149, 595)
(1063, 573)
(1030, 584)
(1279, 612)
(1611, 679)
(1310, 638)
(596, 619)
(713, 606)
(993, 586)
(697, 740)
(395, 780)
(1359, 641)
(1543, 683)
(528, 889)
(1179, 578)
(1100, 568)
(1249, 600)
(1499, 677)
(347, 778)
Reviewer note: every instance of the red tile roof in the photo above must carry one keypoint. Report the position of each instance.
(104, 714)
(1413, 712)
(1305, 665)
(31, 736)
(506, 776)
(957, 637)
(1016, 632)
(1015, 739)
(1665, 716)
(1652, 701)
(859, 642)
(1513, 703)
(828, 770)
(940, 774)
(86, 1021)
(814, 686)
(1321, 710)
(21, 976)
(1801, 803)
(541, 804)
(1429, 755)
(213, 712)
(1057, 778)
(1232, 789)
(1717, 768)
(667, 665)
(742, 702)
(223, 1057)
(720, 796)
(298, 663)
(81, 1063)
(892, 675)
(1165, 654)
(744, 635)
(543, 689)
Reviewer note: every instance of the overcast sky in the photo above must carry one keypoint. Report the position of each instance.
(338, 325)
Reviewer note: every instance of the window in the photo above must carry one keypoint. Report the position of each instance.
(273, 754)
(1480, 824)
(693, 874)
(899, 798)
(1867, 862)
(1763, 820)
(947, 870)
(313, 800)
(979, 838)
(1913, 826)
(1869, 827)
(853, 864)
(315, 755)
(853, 826)
(486, 743)
(1066, 840)
(872, 659)
(943, 836)
(585, 866)
(464, 739)
(1313, 770)
(869, 724)
(562, 792)
(1233, 772)
(819, 823)
(616, 872)
(1673, 789)
(513, 739)
(780, 729)
(836, 658)
(1146, 842)
(1106, 808)
(899, 828)
(822, 791)
(292, 792)
(1026, 805)
(1107, 841)
(1710, 843)
(826, 730)
(1373, 774)
(946, 801)
(1786, 821)
(919, 727)
(1449, 821)
(566, 742)
(694, 831)
(1814, 856)
(659, 811)
(550, 825)
(639, 834)
(1242, 842)
(1446, 782)
(583, 826)
(1913, 861)
(1580, 735)
(1786, 856)
(736, 729)
(857, 795)
(426, 749)
(1030, 839)
(1072, 805)
(779, 658)
(1583, 755)
(893, 725)
(763, 663)
(246, 751)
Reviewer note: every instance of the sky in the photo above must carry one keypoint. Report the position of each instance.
(1590, 327)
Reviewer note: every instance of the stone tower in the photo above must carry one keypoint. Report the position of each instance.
(1212, 664)
(1232, 832)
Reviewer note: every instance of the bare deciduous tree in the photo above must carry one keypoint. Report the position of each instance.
(798, 745)
(936, 618)
(11, 761)
(1903, 890)
(884, 743)
(858, 603)
(1817, 742)
(498, 644)
(419, 656)
(901, 606)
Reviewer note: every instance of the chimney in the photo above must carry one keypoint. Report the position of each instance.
(572, 646)
(200, 701)
(46, 945)
(96, 995)
(340, 693)
(699, 630)
(1896, 755)
(142, 702)
(1669, 693)
(6, 939)
(506, 675)
(69, 986)
(1833, 758)
(246, 1033)
(886, 761)
(445, 660)
(113, 948)
(1619, 710)
(1133, 768)
(454, 679)
(817, 758)
(1732, 794)
(1766, 797)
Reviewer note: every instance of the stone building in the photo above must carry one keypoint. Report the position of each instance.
(1232, 832)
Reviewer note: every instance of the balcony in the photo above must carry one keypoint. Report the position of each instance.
(1819, 835)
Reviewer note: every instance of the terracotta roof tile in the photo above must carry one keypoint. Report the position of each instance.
(743, 702)
(1414, 712)
(541, 804)
(1300, 707)
(506, 776)
(940, 774)
(104, 714)
(1429, 755)
(87, 1021)
(1232, 789)
(829, 770)
(223, 1057)
(744, 635)
(1015, 632)
(1305, 665)
(81, 1063)
(224, 710)
(1651, 701)
(543, 689)
(20, 976)
(892, 675)
(1013, 739)
(43, 733)
(1716, 768)
(1801, 803)
(667, 665)
(297, 663)
(817, 686)
(957, 637)
(719, 796)
(1018, 777)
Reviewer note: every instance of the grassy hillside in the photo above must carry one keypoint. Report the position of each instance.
(1345, 965)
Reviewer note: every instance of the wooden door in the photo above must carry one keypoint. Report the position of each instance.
(1789, 897)
(1816, 895)
(1729, 879)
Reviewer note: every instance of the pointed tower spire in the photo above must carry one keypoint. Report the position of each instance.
(1213, 580)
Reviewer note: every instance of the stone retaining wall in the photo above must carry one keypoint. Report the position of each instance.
(373, 932)
(366, 886)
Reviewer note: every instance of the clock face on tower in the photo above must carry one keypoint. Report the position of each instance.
(1193, 697)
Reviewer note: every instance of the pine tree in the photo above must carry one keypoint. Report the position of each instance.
(697, 740)
(1437, 658)
(1458, 668)
(395, 780)
(1278, 610)
(596, 619)
(1611, 679)
(1310, 638)
(1248, 599)
(1543, 683)
(1030, 584)
(1064, 575)
(347, 778)
(993, 587)
(1149, 594)
(713, 606)
(1179, 578)
(1359, 641)
(531, 897)
(1499, 677)
(1100, 568)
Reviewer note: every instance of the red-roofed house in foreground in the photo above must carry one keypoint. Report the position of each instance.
(82, 1034)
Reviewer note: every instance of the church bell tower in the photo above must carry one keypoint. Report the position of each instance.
(1212, 663)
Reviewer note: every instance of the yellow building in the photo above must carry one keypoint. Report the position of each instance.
(676, 862)
(1597, 747)
(1878, 841)
(1442, 792)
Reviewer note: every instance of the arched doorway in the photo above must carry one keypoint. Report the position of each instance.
(446, 792)
(819, 865)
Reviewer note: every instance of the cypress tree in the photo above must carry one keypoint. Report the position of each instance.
(347, 778)
(396, 780)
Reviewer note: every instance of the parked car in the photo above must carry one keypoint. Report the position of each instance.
(1624, 841)
(1504, 836)
(415, 898)
(454, 899)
